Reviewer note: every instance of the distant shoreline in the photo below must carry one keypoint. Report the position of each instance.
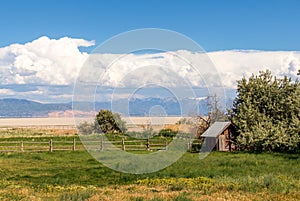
(70, 121)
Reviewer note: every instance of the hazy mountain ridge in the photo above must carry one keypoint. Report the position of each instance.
(135, 107)
(25, 108)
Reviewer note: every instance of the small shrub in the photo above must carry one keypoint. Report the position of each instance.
(146, 134)
(87, 128)
(196, 147)
(168, 133)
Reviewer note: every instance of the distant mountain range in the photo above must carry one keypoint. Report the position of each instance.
(135, 107)
(25, 108)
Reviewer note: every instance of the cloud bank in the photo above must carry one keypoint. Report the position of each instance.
(234, 64)
(42, 61)
(46, 69)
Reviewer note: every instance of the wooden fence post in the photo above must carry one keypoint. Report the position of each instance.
(22, 146)
(123, 144)
(189, 145)
(148, 145)
(51, 145)
(74, 144)
(101, 143)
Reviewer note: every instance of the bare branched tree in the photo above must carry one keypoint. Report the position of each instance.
(215, 114)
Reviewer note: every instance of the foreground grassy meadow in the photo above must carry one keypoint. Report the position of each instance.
(75, 175)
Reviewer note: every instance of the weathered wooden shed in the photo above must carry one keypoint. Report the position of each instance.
(219, 136)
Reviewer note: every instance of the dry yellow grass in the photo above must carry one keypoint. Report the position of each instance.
(135, 192)
(68, 121)
(35, 132)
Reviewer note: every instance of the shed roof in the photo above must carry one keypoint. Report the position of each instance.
(216, 129)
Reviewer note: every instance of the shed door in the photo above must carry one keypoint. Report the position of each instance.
(222, 143)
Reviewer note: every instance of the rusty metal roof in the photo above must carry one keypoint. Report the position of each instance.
(216, 129)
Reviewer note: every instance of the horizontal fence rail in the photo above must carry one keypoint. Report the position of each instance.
(62, 127)
(39, 145)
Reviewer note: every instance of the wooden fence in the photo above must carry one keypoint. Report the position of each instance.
(42, 145)
(39, 146)
(52, 145)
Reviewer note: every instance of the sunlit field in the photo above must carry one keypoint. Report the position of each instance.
(40, 122)
(75, 175)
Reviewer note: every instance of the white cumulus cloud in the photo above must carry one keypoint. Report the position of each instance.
(42, 61)
(173, 69)
(233, 65)
(53, 65)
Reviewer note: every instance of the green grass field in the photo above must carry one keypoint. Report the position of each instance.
(75, 175)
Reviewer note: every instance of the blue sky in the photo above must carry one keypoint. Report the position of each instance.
(215, 25)
(55, 37)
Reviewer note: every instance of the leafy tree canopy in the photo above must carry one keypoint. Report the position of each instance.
(266, 113)
(109, 122)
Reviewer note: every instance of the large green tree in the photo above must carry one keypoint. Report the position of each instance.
(266, 113)
(109, 122)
